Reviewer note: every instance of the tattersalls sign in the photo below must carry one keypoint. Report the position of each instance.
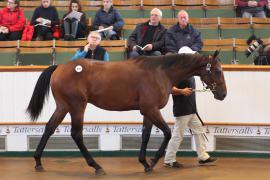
(16, 136)
(240, 130)
(133, 129)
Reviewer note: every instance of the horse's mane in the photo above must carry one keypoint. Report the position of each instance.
(167, 61)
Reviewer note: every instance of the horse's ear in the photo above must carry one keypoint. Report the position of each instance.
(216, 53)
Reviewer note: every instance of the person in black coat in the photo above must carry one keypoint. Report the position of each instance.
(44, 19)
(183, 34)
(148, 38)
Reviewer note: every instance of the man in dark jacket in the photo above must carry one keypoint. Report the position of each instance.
(148, 38)
(183, 34)
(108, 18)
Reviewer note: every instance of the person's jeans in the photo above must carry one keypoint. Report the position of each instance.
(181, 124)
(246, 14)
(71, 27)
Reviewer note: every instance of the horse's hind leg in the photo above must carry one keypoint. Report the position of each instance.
(146, 132)
(76, 133)
(54, 121)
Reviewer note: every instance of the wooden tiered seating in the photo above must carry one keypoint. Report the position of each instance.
(227, 53)
(261, 27)
(219, 8)
(9, 52)
(234, 28)
(36, 52)
(195, 8)
(164, 5)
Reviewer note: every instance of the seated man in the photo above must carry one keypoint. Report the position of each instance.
(183, 34)
(92, 50)
(108, 17)
(252, 8)
(148, 38)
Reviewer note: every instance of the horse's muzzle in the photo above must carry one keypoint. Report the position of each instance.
(220, 96)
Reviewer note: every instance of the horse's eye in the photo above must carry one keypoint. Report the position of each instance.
(218, 73)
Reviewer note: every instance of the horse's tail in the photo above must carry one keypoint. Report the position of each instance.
(41, 91)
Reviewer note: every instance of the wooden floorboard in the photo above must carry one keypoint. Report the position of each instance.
(122, 168)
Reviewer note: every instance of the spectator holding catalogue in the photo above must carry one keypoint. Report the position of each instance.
(108, 17)
(74, 22)
(44, 19)
(148, 38)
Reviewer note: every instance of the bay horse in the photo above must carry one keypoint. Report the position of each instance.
(143, 84)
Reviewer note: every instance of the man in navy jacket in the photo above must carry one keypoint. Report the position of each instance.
(183, 34)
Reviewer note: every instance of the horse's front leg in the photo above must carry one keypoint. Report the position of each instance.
(159, 122)
(146, 132)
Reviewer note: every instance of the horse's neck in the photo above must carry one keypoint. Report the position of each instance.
(181, 73)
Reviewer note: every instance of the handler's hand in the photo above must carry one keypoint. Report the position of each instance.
(184, 92)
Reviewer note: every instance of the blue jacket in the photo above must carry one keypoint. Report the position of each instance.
(176, 38)
(99, 54)
(112, 18)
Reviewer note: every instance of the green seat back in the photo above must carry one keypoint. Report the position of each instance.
(262, 32)
(117, 56)
(209, 33)
(228, 13)
(239, 33)
(193, 13)
(131, 13)
(35, 59)
(225, 57)
(7, 58)
(243, 59)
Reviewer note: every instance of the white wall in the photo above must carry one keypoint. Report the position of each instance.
(247, 101)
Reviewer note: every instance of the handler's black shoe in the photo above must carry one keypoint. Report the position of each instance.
(210, 160)
(173, 165)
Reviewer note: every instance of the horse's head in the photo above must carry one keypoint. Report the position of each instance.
(212, 75)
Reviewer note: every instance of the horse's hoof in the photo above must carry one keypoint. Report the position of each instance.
(100, 172)
(39, 168)
(148, 170)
